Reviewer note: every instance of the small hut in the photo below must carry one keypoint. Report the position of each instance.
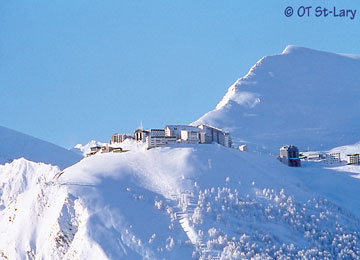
(289, 155)
(243, 148)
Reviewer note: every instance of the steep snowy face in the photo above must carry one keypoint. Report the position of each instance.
(194, 201)
(39, 219)
(15, 145)
(302, 96)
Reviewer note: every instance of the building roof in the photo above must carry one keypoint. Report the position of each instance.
(141, 130)
(183, 127)
(215, 128)
(287, 147)
(117, 134)
(209, 126)
(154, 129)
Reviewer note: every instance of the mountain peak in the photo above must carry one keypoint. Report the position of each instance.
(297, 49)
(304, 51)
(301, 96)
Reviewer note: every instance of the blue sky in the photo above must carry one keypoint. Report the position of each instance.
(72, 71)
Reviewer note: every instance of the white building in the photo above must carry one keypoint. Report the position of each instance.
(227, 139)
(353, 159)
(106, 149)
(192, 136)
(119, 138)
(243, 148)
(333, 158)
(141, 134)
(289, 155)
(175, 130)
(159, 141)
(157, 138)
(93, 150)
(314, 157)
(117, 150)
(156, 132)
(182, 133)
(213, 134)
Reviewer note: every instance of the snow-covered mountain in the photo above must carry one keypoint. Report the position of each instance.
(85, 149)
(195, 201)
(15, 145)
(304, 97)
(207, 201)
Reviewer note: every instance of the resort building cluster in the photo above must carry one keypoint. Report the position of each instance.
(103, 149)
(170, 135)
(290, 156)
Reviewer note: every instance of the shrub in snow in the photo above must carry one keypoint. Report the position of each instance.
(200, 233)
(158, 204)
(197, 216)
(169, 243)
(212, 232)
(151, 239)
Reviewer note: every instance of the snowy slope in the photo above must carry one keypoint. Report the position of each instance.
(194, 201)
(38, 219)
(14, 145)
(304, 97)
(85, 149)
(344, 150)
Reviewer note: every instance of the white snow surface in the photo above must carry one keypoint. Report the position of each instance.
(302, 96)
(15, 145)
(344, 150)
(185, 202)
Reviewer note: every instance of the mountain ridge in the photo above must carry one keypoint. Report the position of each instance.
(14, 144)
(301, 96)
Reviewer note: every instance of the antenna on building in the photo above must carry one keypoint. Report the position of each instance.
(141, 125)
